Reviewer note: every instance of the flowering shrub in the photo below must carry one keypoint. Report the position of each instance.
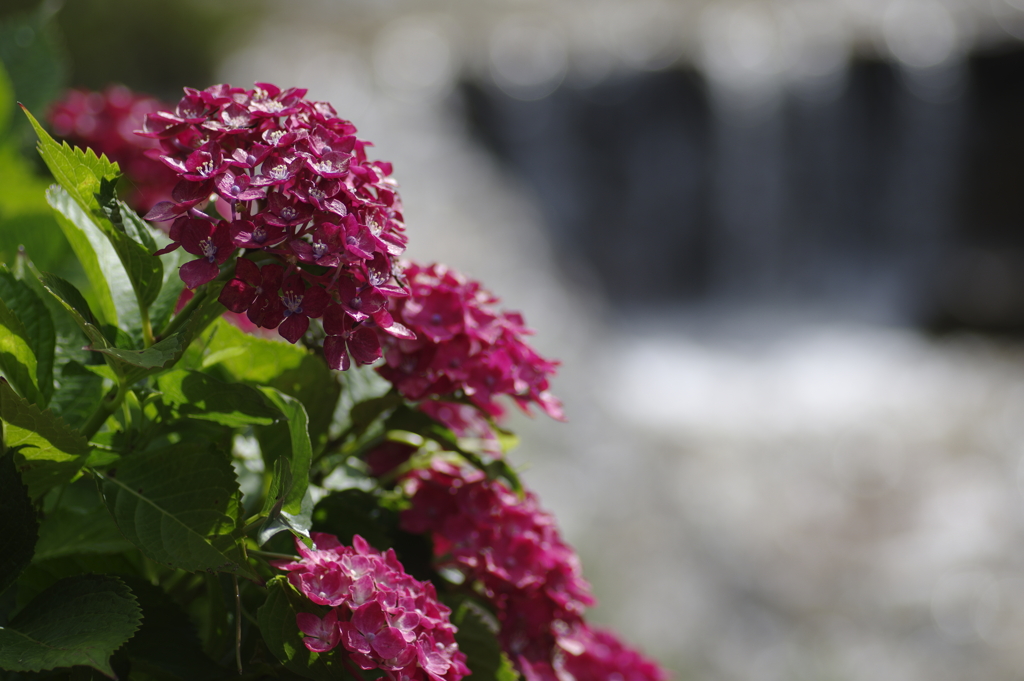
(160, 468)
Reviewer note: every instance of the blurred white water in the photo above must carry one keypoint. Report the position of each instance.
(755, 496)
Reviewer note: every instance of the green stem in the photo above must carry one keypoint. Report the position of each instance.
(106, 407)
(238, 626)
(147, 327)
(179, 319)
(252, 524)
(201, 295)
(268, 554)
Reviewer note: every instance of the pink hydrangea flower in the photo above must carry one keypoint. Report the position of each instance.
(514, 553)
(293, 185)
(507, 544)
(105, 122)
(380, 617)
(464, 347)
(587, 653)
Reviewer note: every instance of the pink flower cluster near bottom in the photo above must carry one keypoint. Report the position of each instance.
(383, 618)
(532, 578)
(586, 654)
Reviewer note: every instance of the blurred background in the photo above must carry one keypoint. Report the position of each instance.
(778, 246)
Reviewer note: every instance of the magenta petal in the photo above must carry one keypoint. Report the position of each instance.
(389, 643)
(369, 617)
(198, 272)
(163, 211)
(321, 634)
(353, 640)
(335, 353)
(168, 248)
(315, 301)
(334, 320)
(364, 346)
(400, 331)
(294, 327)
(248, 271)
(237, 296)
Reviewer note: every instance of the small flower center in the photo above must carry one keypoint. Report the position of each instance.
(289, 213)
(317, 193)
(356, 303)
(205, 168)
(273, 136)
(279, 172)
(292, 303)
(259, 235)
(235, 120)
(319, 249)
(208, 249)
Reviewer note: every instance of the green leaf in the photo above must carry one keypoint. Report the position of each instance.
(49, 453)
(477, 638)
(279, 520)
(180, 506)
(77, 621)
(39, 576)
(134, 245)
(170, 290)
(21, 528)
(113, 263)
(366, 412)
(300, 451)
(167, 645)
(277, 625)
(37, 323)
(407, 419)
(17, 360)
(289, 368)
(65, 532)
(137, 364)
(80, 391)
(145, 271)
(197, 395)
(138, 229)
(81, 173)
(73, 301)
(355, 511)
(77, 536)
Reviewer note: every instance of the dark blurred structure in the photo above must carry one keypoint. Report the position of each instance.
(898, 198)
(150, 46)
(48, 45)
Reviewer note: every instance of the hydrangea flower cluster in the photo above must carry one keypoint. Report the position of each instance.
(293, 185)
(533, 579)
(463, 346)
(383, 618)
(597, 654)
(106, 122)
(507, 544)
